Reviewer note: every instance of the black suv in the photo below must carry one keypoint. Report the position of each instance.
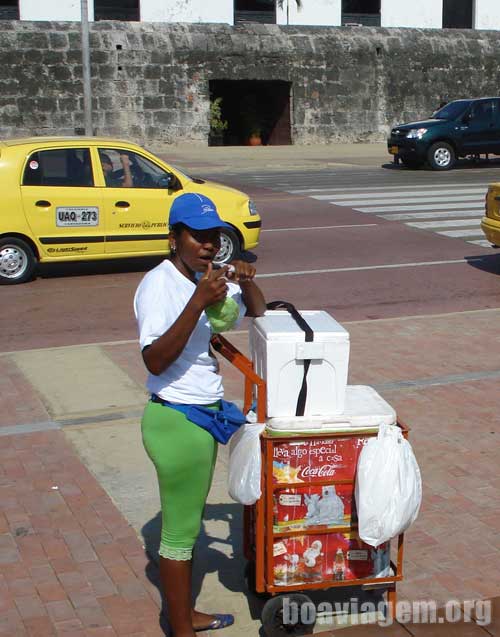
(461, 128)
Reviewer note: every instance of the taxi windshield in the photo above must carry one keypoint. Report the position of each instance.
(177, 169)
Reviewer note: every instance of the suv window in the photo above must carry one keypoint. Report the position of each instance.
(59, 167)
(482, 110)
(451, 110)
(145, 174)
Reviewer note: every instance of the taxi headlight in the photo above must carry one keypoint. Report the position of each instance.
(252, 208)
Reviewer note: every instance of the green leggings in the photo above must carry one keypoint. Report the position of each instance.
(184, 456)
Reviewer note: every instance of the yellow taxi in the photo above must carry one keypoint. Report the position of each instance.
(86, 198)
(490, 223)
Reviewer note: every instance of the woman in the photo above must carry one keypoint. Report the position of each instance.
(174, 331)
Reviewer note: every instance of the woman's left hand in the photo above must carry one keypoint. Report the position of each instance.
(242, 273)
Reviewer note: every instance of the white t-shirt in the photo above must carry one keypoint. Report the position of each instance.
(160, 298)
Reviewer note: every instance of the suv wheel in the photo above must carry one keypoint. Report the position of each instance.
(17, 261)
(441, 156)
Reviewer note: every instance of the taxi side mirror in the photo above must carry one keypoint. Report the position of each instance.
(169, 181)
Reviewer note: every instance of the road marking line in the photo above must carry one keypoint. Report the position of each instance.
(354, 225)
(432, 215)
(408, 193)
(368, 267)
(418, 200)
(450, 379)
(484, 243)
(14, 430)
(443, 206)
(368, 188)
(462, 233)
(457, 223)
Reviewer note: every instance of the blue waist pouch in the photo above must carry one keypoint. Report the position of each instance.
(222, 424)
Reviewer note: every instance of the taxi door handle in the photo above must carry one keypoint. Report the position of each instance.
(43, 204)
(122, 204)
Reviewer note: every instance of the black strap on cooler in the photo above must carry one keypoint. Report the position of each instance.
(309, 337)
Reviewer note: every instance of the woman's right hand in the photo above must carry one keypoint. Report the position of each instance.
(212, 287)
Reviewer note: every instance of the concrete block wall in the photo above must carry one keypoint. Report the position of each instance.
(151, 81)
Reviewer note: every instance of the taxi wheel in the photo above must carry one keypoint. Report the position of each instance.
(229, 247)
(441, 156)
(17, 261)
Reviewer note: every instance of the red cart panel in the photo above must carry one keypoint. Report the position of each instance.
(313, 507)
(317, 459)
(328, 556)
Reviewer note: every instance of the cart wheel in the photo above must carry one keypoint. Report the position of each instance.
(279, 621)
(250, 580)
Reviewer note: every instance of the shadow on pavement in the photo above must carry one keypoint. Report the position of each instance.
(248, 256)
(485, 262)
(111, 266)
(231, 568)
(88, 268)
(462, 164)
(208, 558)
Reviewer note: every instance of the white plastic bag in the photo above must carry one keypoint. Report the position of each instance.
(245, 463)
(388, 488)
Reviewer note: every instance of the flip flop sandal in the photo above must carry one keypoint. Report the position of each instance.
(220, 621)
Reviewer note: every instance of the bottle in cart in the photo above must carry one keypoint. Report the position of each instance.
(339, 565)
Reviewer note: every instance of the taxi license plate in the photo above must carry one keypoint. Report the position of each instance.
(394, 150)
(74, 216)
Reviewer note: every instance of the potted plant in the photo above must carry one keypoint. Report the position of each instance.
(251, 124)
(255, 136)
(217, 124)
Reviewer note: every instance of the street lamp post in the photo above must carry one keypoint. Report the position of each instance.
(87, 91)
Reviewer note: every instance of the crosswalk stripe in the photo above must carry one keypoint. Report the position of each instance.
(307, 228)
(378, 188)
(462, 233)
(484, 243)
(432, 215)
(443, 206)
(451, 210)
(455, 223)
(403, 193)
(356, 202)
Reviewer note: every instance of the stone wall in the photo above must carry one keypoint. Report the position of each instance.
(150, 81)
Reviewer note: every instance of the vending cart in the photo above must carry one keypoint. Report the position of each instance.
(301, 535)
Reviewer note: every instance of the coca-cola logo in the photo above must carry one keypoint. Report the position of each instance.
(323, 471)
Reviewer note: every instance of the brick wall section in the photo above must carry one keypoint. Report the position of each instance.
(349, 84)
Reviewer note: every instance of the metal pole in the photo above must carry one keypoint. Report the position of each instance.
(87, 91)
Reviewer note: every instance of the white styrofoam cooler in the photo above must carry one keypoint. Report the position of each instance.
(278, 349)
(364, 408)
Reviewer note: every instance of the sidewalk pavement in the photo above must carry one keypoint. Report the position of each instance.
(78, 496)
(198, 157)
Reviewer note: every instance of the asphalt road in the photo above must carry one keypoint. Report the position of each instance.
(361, 242)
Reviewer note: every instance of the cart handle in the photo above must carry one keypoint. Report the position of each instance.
(245, 366)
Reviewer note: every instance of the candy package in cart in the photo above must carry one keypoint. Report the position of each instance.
(327, 557)
(309, 507)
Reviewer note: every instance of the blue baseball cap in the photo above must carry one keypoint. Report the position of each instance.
(195, 211)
